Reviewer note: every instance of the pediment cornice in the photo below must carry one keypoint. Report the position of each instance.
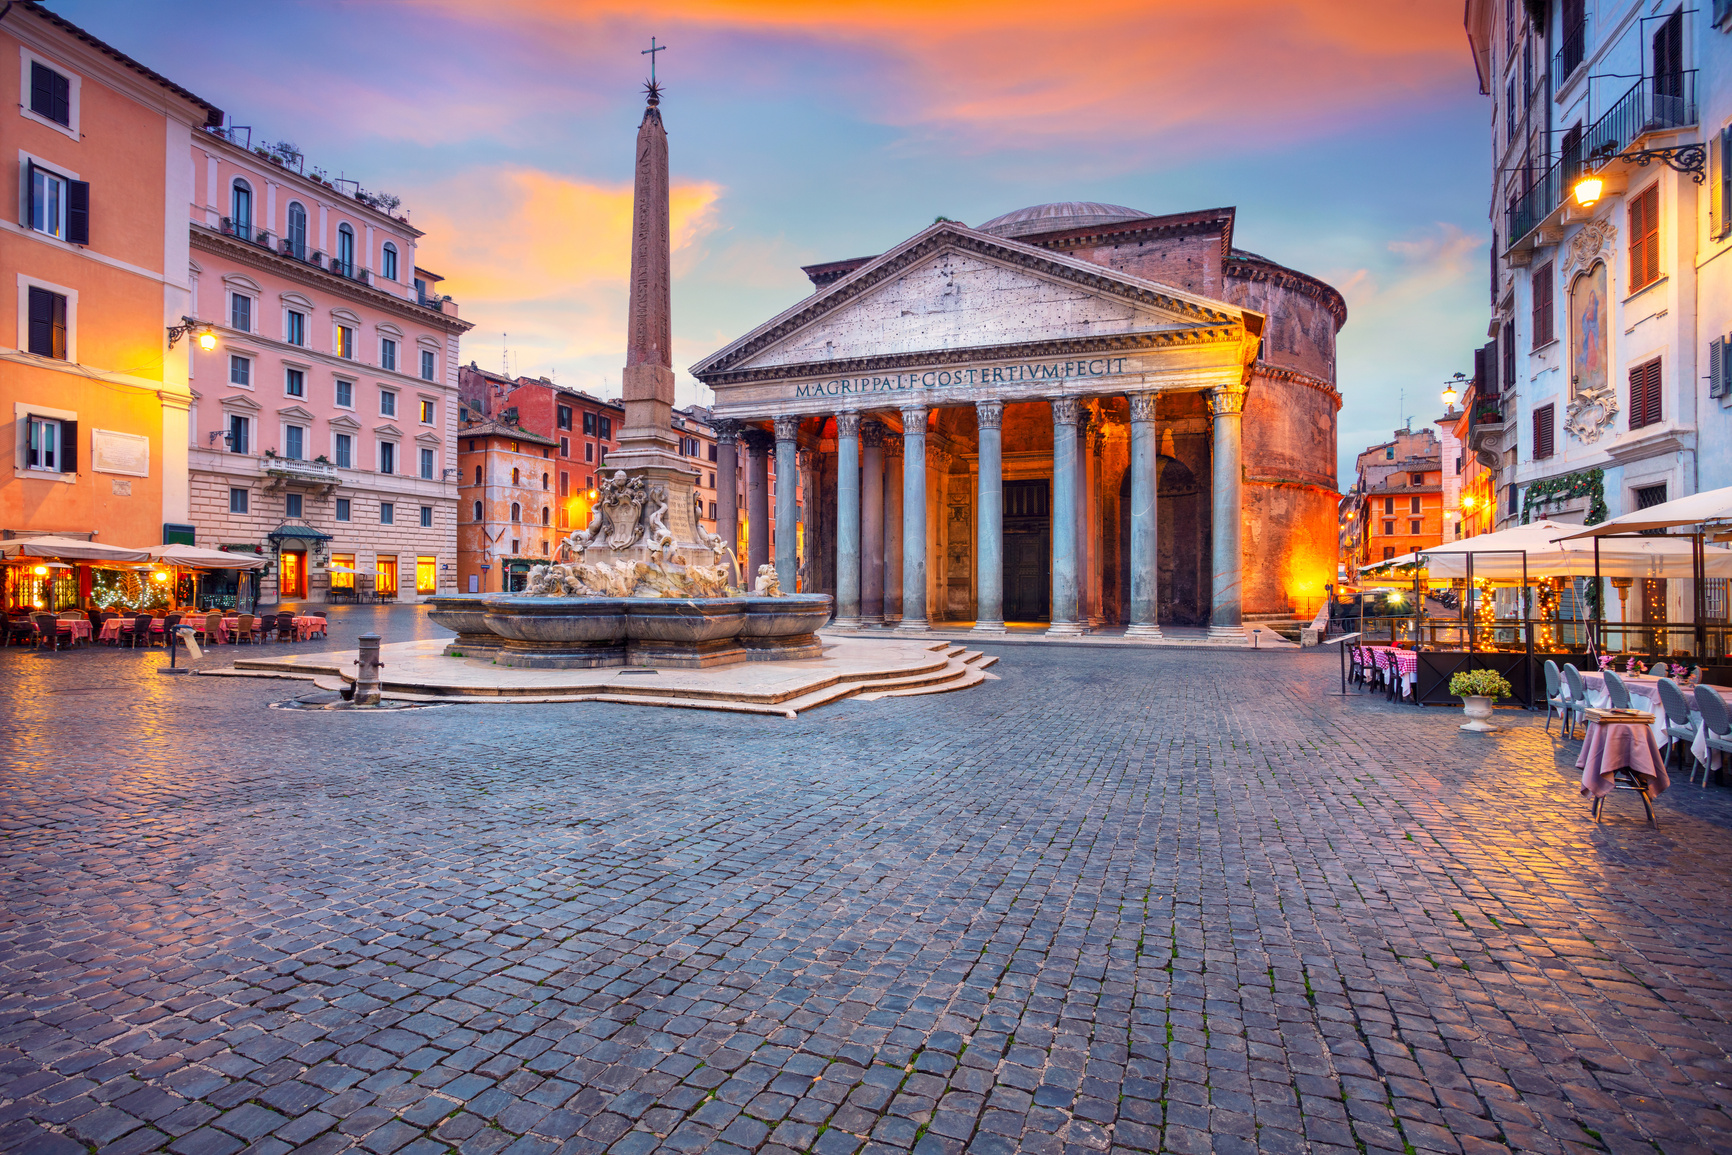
(1201, 313)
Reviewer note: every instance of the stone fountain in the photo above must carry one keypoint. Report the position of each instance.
(645, 585)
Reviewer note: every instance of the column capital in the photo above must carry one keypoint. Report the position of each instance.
(1064, 410)
(914, 420)
(1227, 401)
(847, 425)
(872, 433)
(892, 446)
(727, 430)
(1084, 418)
(787, 427)
(1143, 406)
(990, 414)
(757, 440)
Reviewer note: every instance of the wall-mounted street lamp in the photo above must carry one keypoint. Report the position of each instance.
(1690, 159)
(206, 338)
(1451, 394)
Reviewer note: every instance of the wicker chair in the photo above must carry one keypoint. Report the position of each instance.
(1578, 692)
(1712, 707)
(1617, 694)
(49, 628)
(285, 627)
(211, 630)
(243, 628)
(1558, 699)
(141, 631)
(1677, 722)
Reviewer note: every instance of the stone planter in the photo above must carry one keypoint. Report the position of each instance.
(465, 614)
(1478, 711)
(557, 633)
(684, 633)
(784, 629)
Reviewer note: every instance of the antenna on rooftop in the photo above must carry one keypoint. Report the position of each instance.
(504, 357)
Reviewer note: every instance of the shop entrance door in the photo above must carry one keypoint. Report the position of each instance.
(293, 570)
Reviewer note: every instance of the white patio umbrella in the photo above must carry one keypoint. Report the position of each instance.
(1714, 505)
(1552, 549)
(69, 548)
(198, 558)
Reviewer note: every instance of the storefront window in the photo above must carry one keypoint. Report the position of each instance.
(385, 576)
(340, 580)
(426, 575)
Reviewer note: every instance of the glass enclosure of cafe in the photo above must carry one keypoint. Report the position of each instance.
(1513, 608)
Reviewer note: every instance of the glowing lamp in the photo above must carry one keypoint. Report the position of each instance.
(1588, 190)
(1467, 502)
(207, 341)
(41, 571)
(160, 575)
(1450, 396)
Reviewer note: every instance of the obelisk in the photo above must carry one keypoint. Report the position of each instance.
(647, 445)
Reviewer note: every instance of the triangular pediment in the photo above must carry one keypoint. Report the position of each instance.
(951, 288)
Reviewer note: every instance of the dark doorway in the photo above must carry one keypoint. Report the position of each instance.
(1027, 550)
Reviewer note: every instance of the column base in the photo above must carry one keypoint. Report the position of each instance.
(843, 624)
(1066, 630)
(1144, 630)
(871, 621)
(913, 625)
(1228, 636)
(986, 627)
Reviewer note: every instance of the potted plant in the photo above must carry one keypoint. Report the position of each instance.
(1478, 689)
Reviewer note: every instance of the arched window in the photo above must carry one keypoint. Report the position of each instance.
(478, 511)
(346, 250)
(297, 237)
(241, 209)
(544, 481)
(514, 480)
(545, 514)
(388, 267)
(516, 512)
(477, 475)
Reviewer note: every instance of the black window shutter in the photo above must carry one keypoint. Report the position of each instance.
(30, 194)
(1654, 392)
(78, 212)
(41, 337)
(1638, 402)
(41, 90)
(57, 314)
(69, 447)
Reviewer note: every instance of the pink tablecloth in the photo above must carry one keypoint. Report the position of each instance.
(113, 628)
(1613, 747)
(305, 626)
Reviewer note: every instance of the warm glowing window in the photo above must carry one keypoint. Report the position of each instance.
(426, 575)
(385, 575)
(339, 563)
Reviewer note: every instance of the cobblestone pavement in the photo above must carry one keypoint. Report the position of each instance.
(1172, 900)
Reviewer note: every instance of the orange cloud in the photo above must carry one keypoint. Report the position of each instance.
(992, 70)
(546, 259)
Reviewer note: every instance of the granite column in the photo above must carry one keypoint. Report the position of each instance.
(1145, 535)
(1064, 623)
(728, 496)
(914, 519)
(871, 523)
(787, 483)
(892, 527)
(758, 447)
(989, 521)
(1226, 605)
(848, 520)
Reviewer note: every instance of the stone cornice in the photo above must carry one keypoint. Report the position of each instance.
(1248, 268)
(1275, 373)
(841, 367)
(1203, 222)
(210, 240)
(1098, 279)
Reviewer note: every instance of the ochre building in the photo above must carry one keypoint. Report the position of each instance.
(1076, 414)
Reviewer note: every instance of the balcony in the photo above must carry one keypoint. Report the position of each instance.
(1663, 103)
(285, 471)
(1569, 57)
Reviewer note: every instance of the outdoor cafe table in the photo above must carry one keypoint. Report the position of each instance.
(1404, 664)
(114, 627)
(305, 626)
(78, 627)
(1611, 749)
(1645, 695)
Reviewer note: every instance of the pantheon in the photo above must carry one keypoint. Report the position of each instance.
(1076, 414)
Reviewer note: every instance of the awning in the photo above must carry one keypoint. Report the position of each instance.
(296, 533)
(1540, 550)
(68, 548)
(1711, 506)
(198, 558)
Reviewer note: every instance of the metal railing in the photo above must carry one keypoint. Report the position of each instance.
(1569, 57)
(1653, 104)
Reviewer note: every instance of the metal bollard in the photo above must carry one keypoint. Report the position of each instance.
(367, 671)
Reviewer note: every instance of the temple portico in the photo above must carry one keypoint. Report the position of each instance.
(1003, 433)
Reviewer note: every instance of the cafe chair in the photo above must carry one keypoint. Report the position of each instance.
(102, 624)
(243, 628)
(49, 629)
(211, 630)
(1578, 695)
(141, 631)
(285, 627)
(1558, 699)
(1712, 707)
(1659, 670)
(1617, 694)
(1677, 723)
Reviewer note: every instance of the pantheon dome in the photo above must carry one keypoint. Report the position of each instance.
(1059, 216)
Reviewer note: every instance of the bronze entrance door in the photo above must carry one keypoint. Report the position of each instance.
(1027, 550)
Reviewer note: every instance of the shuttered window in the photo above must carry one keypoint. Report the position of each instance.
(1508, 344)
(1543, 304)
(1719, 182)
(1645, 238)
(50, 94)
(1645, 394)
(1719, 368)
(1544, 423)
(47, 336)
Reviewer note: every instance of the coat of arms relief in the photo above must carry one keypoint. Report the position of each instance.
(1593, 394)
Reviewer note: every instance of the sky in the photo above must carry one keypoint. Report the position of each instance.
(1349, 134)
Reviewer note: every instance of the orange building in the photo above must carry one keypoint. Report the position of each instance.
(94, 386)
(506, 497)
(1396, 504)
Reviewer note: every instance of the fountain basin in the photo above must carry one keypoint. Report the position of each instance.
(673, 633)
(784, 629)
(465, 614)
(557, 633)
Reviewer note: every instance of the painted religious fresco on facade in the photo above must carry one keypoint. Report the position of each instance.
(1588, 331)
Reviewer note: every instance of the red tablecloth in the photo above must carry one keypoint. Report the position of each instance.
(78, 627)
(1610, 747)
(305, 626)
(114, 627)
